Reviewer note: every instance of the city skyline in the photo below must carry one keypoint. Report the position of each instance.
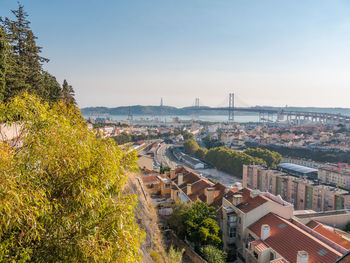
(268, 53)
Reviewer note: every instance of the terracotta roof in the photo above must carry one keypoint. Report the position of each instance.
(259, 245)
(287, 239)
(150, 179)
(249, 203)
(280, 260)
(329, 233)
(312, 224)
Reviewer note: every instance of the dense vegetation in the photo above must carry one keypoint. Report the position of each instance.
(309, 154)
(62, 189)
(21, 66)
(232, 161)
(196, 223)
(61, 194)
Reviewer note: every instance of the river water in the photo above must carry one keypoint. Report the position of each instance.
(170, 118)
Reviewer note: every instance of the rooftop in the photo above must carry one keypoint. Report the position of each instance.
(297, 168)
(287, 239)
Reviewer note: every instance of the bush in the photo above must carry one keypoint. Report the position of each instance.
(213, 254)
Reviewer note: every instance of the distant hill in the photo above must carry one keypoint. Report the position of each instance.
(168, 110)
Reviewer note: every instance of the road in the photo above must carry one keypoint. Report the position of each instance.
(165, 157)
(161, 156)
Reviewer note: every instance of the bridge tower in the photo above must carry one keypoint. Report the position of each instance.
(231, 107)
(196, 104)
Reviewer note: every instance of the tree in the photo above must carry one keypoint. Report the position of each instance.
(62, 189)
(68, 93)
(196, 223)
(201, 153)
(3, 62)
(122, 138)
(191, 146)
(213, 255)
(24, 64)
(271, 158)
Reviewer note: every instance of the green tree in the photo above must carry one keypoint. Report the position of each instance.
(196, 223)
(122, 138)
(201, 153)
(213, 255)
(68, 93)
(3, 62)
(24, 63)
(271, 158)
(61, 195)
(191, 146)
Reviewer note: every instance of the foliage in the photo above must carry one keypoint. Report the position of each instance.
(213, 255)
(122, 138)
(196, 223)
(229, 160)
(187, 135)
(62, 189)
(3, 62)
(156, 257)
(191, 146)
(317, 154)
(24, 64)
(201, 153)
(164, 169)
(211, 143)
(68, 93)
(174, 255)
(271, 158)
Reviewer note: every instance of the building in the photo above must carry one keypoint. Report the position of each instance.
(298, 170)
(260, 227)
(243, 208)
(336, 174)
(295, 188)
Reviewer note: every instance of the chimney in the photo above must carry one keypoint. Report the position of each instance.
(302, 257)
(210, 195)
(237, 199)
(172, 174)
(180, 179)
(189, 190)
(254, 193)
(265, 232)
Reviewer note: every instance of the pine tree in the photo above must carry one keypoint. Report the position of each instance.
(3, 48)
(25, 71)
(68, 93)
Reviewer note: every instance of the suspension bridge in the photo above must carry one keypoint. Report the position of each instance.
(270, 115)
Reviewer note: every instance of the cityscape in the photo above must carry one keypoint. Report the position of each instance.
(174, 132)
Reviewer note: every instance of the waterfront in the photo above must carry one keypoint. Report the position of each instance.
(142, 119)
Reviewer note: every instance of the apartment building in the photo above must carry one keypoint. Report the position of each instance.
(243, 208)
(336, 174)
(302, 193)
(260, 227)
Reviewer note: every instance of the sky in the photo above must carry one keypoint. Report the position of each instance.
(135, 52)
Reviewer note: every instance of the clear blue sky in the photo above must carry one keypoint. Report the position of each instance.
(137, 51)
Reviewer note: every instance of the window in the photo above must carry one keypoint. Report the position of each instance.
(272, 256)
(232, 232)
(256, 255)
(239, 220)
(167, 185)
(232, 219)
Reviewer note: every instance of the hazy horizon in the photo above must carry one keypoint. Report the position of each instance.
(120, 53)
